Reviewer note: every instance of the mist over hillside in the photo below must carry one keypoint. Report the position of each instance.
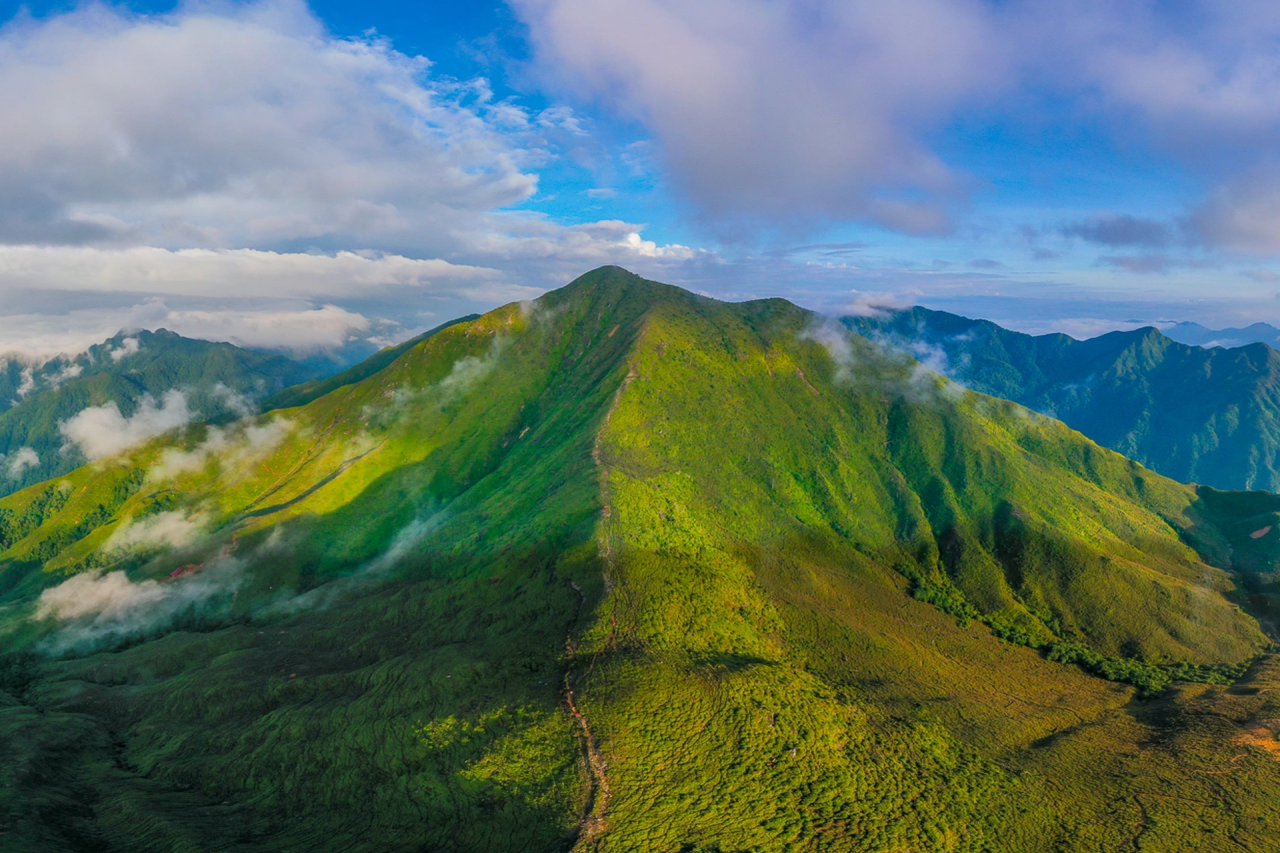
(627, 568)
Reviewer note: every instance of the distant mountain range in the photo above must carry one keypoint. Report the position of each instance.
(631, 569)
(1202, 336)
(57, 415)
(1197, 415)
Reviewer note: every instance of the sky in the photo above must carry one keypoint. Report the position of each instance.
(298, 176)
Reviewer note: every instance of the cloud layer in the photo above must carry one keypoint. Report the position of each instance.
(236, 171)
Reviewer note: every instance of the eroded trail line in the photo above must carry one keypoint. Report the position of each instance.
(593, 823)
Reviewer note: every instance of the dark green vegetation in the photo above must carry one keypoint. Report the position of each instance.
(627, 570)
(218, 381)
(1197, 415)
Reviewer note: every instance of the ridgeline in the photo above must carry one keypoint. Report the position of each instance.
(630, 569)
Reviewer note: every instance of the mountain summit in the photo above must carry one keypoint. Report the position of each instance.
(626, 568)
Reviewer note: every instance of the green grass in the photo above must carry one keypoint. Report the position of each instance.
(774, 581)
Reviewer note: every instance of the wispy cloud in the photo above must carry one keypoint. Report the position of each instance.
(19, 461)
(1117, 229)
(93, 609)
(232, 447)
(103, 431)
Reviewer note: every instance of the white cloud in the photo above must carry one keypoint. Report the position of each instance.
(24, 458)
(92, 593)
(172, 167)
(267, 299)
(235, 125)
(165, 529)
(102, 430)
(234, 446)
(244, 273)
(128, 347)
(870, 304)
(295, 326)
(782, 109)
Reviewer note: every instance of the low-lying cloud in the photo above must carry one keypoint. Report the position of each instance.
(232, 446)
(103, 431)
(404, 543)
(128, 347)
(95, 609)
(919, 372)
(163, 530)
(18, 463)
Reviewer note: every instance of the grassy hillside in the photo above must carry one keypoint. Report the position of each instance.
(1197, 415)
(217, 379)
(631, 569)
(305, 392)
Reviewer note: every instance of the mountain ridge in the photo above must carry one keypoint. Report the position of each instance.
(1193, 414)
(1198, 335)
(625, 568)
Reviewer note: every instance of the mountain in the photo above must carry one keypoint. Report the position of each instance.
(55, 416)
(1202, 336)
(630, 569)
(1197, 415)
(305, 392)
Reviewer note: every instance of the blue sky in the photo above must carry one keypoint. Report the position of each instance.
(278, 172)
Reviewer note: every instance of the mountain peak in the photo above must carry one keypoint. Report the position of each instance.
(615, 282)
(644, 569)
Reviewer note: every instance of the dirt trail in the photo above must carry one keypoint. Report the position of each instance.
(593, 823)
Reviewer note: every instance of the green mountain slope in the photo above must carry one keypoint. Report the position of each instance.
(630, 569)
(305, 392)
(217, 381)
(1197, 415)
